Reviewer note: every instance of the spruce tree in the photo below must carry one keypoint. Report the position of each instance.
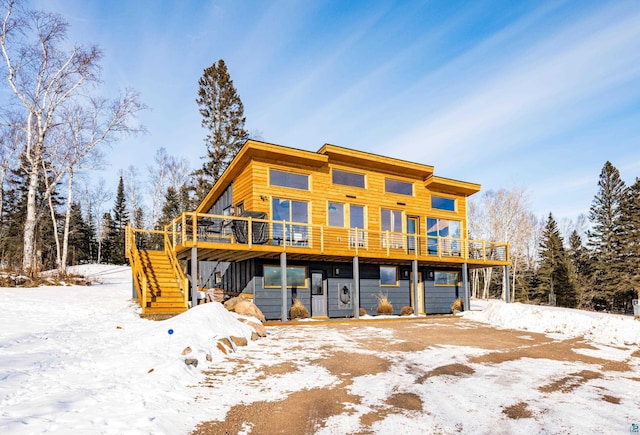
(80, 237)
(605, 234)
(120, 220)
(555, 268)
(223, 116)
(579, 258)
(630, 244)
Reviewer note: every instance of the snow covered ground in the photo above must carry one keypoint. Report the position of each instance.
(80, 360)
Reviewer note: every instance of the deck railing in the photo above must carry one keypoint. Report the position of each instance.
(194, 229)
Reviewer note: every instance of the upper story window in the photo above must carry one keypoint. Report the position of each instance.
(395, 186)
(347, 178)
(336, 214)
(288, 179)
(441, 203)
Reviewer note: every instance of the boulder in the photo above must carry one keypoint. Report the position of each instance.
(245, 307)
(239, 341)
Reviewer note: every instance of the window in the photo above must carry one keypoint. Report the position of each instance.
(440, 203)
(289, 211)
(356, 222)
(388, 276)
(336, 214)
(391, 220)
(443, 237)
(446, 278)
(347, 178)
(296, 276)
(395, 186)
(288, 179)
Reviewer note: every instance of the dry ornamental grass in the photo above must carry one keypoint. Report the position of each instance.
(384, 306)
(298, 310)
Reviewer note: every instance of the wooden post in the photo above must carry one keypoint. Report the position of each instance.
(507, 289)
(414, 267)
(194, 277)
(283, 284)
(465, 287)
(356, 288)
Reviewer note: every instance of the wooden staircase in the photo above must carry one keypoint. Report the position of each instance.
(163, 295)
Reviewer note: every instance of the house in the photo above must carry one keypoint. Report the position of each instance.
(335, 229)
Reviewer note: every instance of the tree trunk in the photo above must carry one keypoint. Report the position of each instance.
(28, 245)
(67, 220)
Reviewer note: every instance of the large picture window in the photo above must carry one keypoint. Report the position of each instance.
(441, 203)
(296, 276)
(443, 237)
(356, 223)
(291, 212)
(388, 276)
(396, 186)
(288, 179)
(446, 278)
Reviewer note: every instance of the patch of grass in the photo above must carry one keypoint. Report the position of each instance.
(384, 306)
(517, 411)
(457, 306)
(406, 311)
(362, 312)
(298, 310)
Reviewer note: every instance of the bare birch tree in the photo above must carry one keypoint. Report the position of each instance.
(502, 216)
(43, 77)
(168, 171)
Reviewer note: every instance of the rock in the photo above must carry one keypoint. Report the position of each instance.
(249, 309)
(239, 341)
(209, 357)
(222, 348)
(191, 362)
(231, 303)
(254, 336)
(186, 350)
(257, 327)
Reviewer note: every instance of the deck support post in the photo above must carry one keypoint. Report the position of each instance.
(283, 284)
(356, 287)
(194, 276)
(465, 288)
(414, 271)
(507, 289)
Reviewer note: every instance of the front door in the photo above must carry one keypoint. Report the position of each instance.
(318, 294)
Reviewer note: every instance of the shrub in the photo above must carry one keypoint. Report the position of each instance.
(384, 306)
(298, 311)
(362, 312)
(406, 311)
(457, 306)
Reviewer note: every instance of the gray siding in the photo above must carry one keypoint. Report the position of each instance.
(438, 299)
(225, 200)
(370, 290)
(335, 306)
(269, 300)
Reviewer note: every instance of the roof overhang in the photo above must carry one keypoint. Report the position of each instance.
(453, 187)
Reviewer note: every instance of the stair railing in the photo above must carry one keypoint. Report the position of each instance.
(133, 254)
(181, 279)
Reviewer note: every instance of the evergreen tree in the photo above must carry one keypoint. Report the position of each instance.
(223, 115)
(579, 258)
(120, 221)
(108, 239)
(605, 235)
(629, 245)
(555, 268)
(80, 237)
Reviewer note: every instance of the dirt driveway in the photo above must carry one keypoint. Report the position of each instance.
(374, 348)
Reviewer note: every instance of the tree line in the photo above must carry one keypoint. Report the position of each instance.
(592, 263)
(55, 129)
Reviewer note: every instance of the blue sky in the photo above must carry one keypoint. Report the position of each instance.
(506, 94)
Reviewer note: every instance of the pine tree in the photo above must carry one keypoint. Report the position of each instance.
(579, 258)
(605, 235)
(80, 237)
(108, 239)
(555, 268)
(120, 221)
(223, 115)
(629, 245)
